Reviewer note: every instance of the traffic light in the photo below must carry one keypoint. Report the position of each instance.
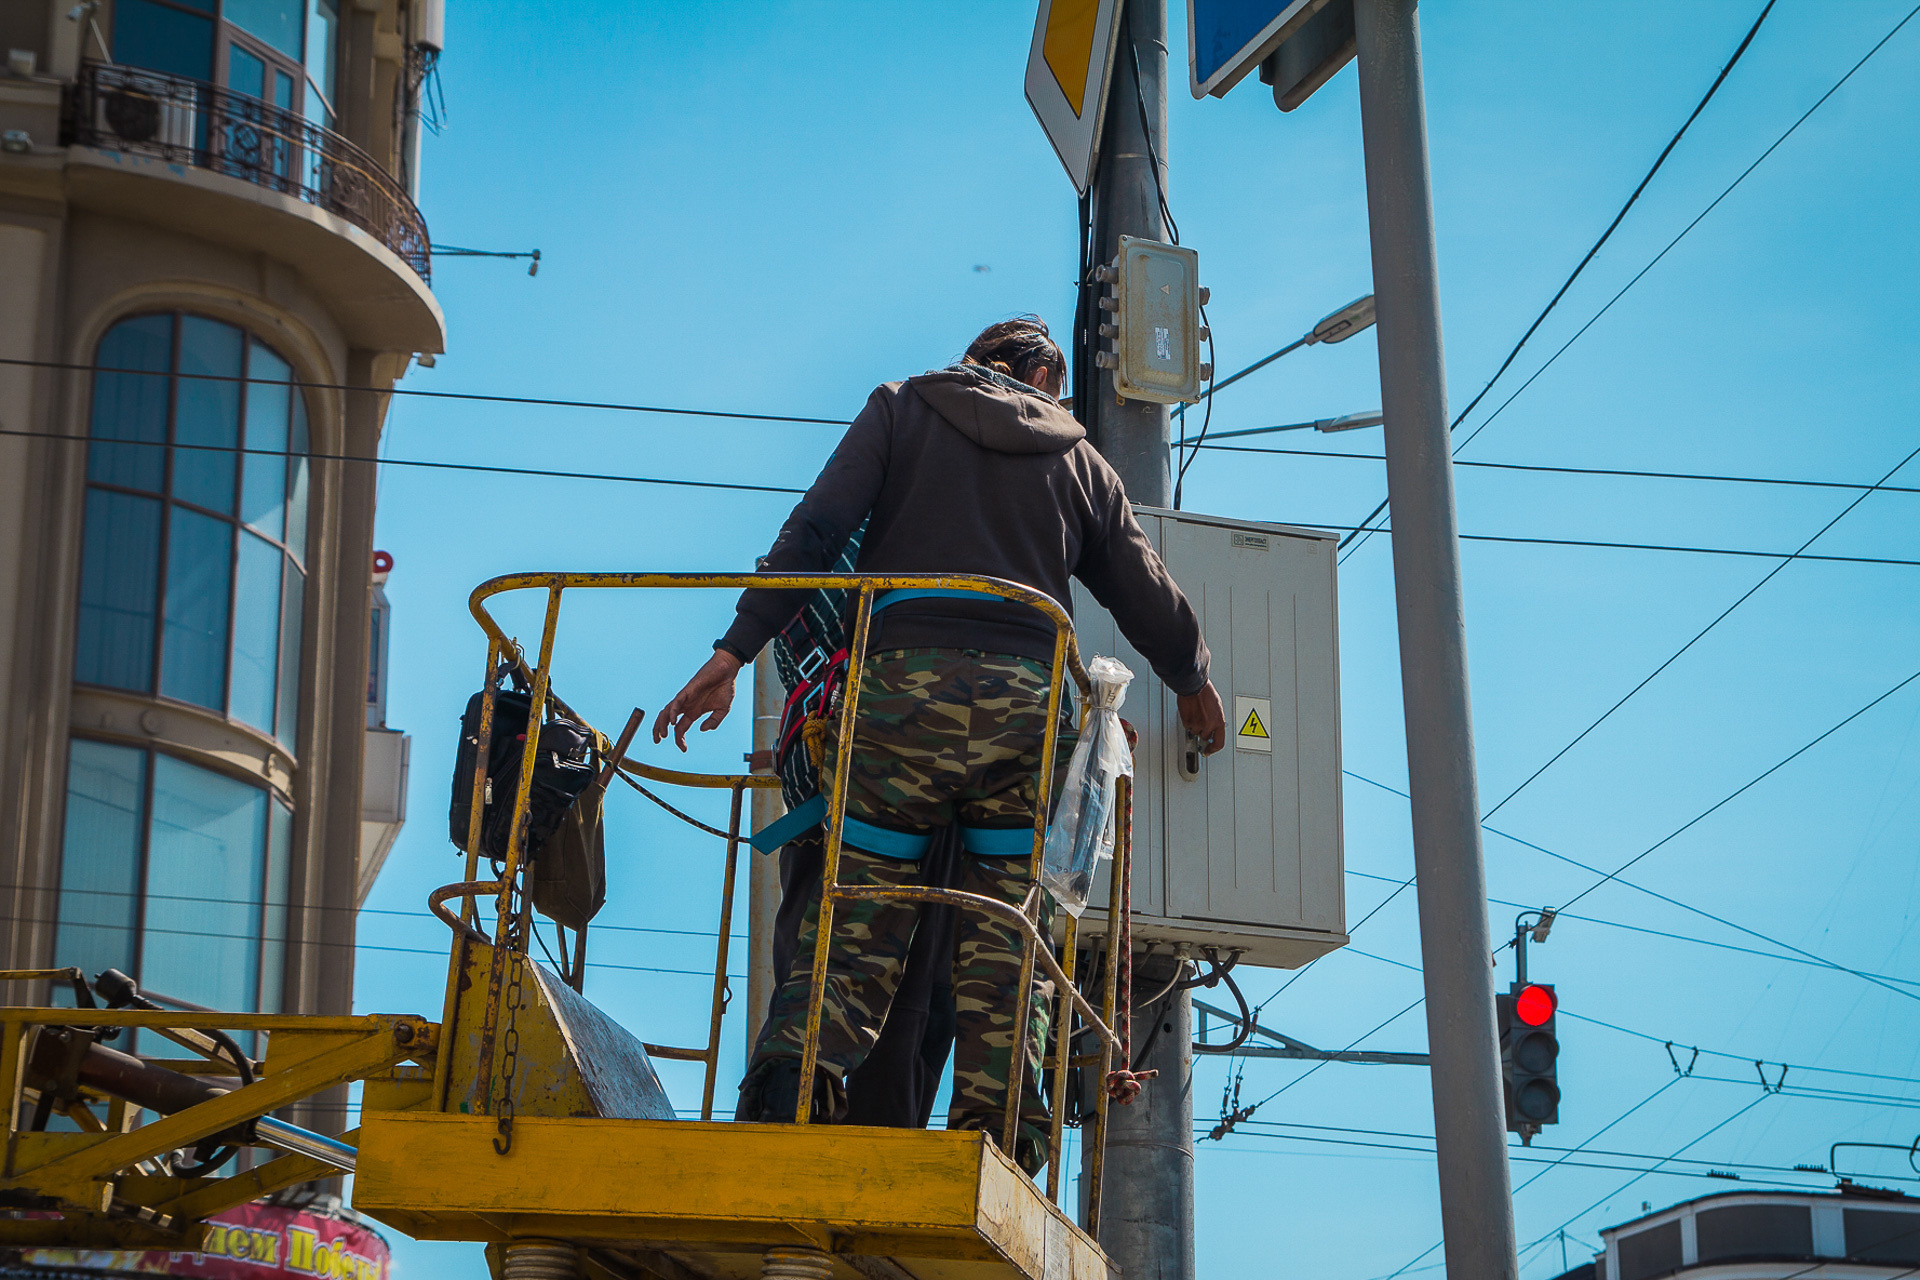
(1529, 1057)
(1151, 314)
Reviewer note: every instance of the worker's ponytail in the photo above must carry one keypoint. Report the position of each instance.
(1019, 348)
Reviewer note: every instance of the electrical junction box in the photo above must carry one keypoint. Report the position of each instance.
(1153, 318)
(1245, 852)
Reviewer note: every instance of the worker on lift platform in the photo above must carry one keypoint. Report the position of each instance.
(975, 468)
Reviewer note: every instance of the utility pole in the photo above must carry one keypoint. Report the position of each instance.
(1146, 1223)
(763, 870)
(1476, 1200)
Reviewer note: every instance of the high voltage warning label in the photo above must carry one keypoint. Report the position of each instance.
(1254, 716)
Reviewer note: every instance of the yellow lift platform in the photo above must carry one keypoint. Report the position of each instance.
(528, 1120)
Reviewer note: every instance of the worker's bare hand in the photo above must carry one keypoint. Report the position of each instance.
(709, 694)
(1203, 717)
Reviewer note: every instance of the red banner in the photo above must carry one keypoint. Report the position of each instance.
(253, 1242)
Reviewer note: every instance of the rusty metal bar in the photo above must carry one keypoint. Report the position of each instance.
(1063, 1051)
(516, 844)
(784, 582)
(1118, 881)
(836, 823)
(991, 906)
(720, 988)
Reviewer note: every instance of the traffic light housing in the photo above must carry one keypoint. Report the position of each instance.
(1529, 1057)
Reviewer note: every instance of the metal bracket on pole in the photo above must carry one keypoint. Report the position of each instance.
(1300, 1049)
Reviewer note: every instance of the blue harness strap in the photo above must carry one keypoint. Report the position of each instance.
(997, 842)
(887, 599)
(982, 842)
(904, 845)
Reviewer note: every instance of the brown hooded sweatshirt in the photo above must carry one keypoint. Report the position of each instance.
(964, 470)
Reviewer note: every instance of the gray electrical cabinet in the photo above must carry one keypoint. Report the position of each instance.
(1243, 853)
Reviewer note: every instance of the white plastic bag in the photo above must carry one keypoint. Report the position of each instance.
(1082, 833)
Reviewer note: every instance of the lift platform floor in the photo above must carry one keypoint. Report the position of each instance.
(711, 1198)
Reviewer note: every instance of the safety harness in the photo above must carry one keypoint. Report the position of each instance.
(809, 718)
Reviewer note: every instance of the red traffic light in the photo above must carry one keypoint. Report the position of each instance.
(1534, 1005)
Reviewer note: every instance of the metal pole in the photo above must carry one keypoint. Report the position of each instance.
(1133, 435)
(1146, 1216)
(763, 875)
(1476, 1200)
(1146, 1224)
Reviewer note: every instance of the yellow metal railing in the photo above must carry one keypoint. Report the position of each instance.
(512, 905)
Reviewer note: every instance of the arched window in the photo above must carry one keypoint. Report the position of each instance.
(192, 578)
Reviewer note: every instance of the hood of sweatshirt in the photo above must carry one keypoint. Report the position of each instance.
(996, 412)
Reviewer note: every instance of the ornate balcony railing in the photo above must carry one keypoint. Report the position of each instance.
(191, 122)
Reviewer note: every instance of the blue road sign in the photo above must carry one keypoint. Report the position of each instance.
(1228, 38)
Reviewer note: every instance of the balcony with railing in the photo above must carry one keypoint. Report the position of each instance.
(179, 121)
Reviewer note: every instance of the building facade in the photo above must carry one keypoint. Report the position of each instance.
(211, 265)
(1854, 1233)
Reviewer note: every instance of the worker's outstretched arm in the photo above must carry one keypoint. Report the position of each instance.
(709, 694)
(809, 542)
(1126, 575)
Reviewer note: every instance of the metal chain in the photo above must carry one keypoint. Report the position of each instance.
(510, 1046)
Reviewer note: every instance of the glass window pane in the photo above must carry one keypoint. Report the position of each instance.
(131, 407)
(263, 486)
(162, 38)
(245, 73)
(119, 589)
(293, 606)
(283, 90)
(323, 24)
(275, 21)
(193, 656)
(256, 633)
(100, 858)
(273, 943)
(207, 413)
(297, 482)
(205, 866)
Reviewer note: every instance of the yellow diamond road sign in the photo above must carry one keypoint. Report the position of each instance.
(1067, 72)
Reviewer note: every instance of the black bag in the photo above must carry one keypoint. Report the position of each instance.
(570, 870)
(562, 770)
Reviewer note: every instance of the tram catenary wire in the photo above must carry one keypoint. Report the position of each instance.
(1714, 204)
(1791, 1090)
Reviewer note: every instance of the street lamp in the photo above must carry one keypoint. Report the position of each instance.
(1353, 318)
(1344, 323)
(1345, 422)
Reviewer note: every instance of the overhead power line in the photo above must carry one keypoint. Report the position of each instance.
(1714, 204)
(1622, 472)
(1701, 634)
(258, 939)
(1690, 938)
(542, 401)
(426, 463)
(1742, 789)
(1702, 912)
(741, 487)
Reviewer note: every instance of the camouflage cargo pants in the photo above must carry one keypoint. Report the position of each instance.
(945, 736)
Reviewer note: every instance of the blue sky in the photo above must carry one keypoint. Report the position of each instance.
(771, 208)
